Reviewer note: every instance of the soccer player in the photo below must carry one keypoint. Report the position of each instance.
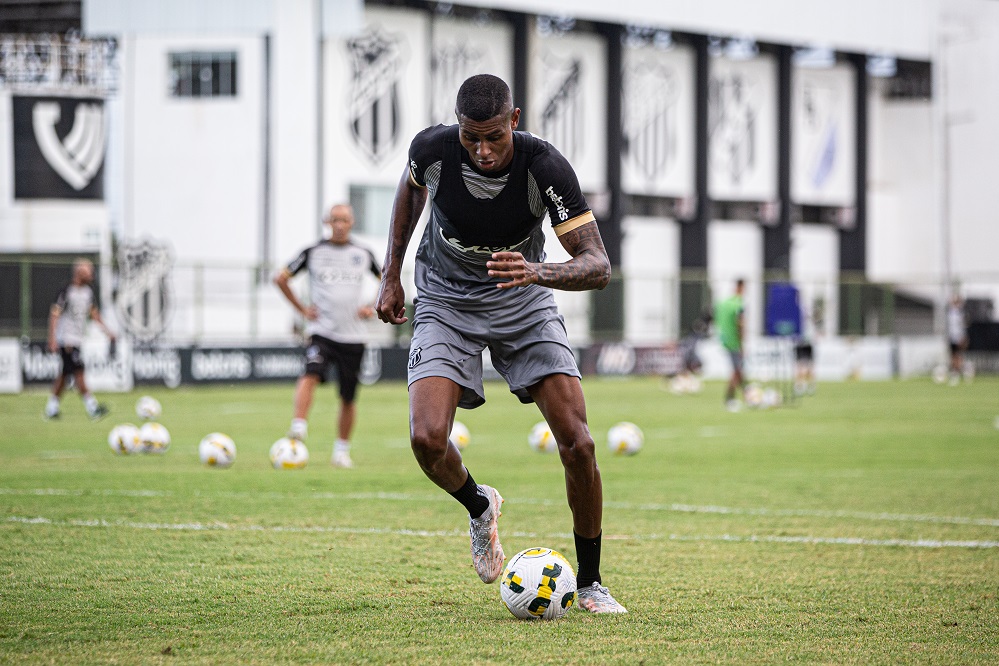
(73, 307)
(482, 281)
(957, 338)
(334, 324)
(729, 319)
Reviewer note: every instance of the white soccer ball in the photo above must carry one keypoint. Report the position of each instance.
(460, 436)
(124, 439)
(289, 453)
(148, 408)
(625, 438)
(538, 584)
(541, 438)
(217, 450)
(154, 437)
(771, 398)
(683, 384)
(754, 395)
(939, 374)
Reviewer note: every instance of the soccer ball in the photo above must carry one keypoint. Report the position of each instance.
(625, 438)
(154, 437)
(124, 439)
(682, 384)
(754, 395)
(772, 398)
(460, 436)
(148, 408)
(217, 450)
(289, 453)
(538, 584)
(541, 438)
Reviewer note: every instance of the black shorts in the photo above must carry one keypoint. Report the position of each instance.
(72, 361)
(803, 351)
(956, 347)
(324, 354)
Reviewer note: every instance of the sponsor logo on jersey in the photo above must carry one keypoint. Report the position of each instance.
(485, 250)
(563, 213)
(415, 356)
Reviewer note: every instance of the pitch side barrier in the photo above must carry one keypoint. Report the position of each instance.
(767, 359)
(122, 367)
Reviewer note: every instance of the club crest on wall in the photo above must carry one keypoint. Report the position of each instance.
(650, 118)
(822, 128)
(732, 119)
(375, 113)
(562, 105)
(142, 299)
(450, 64)
(59, 146)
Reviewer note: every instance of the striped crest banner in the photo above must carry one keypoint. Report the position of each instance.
(374, 115)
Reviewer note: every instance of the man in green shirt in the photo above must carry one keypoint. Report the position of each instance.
(729, 320)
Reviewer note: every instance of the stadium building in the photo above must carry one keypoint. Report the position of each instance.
(191, 149)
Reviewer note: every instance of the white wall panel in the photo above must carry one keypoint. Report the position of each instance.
(197, 162)
(815, 271)
(650, 260)
(735, 250)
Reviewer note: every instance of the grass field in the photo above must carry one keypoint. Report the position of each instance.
(861, 526)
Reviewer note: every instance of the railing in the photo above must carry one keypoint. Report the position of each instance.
(200, 303)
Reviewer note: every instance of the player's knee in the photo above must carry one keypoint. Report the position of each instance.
(577, 450)
(428, 441)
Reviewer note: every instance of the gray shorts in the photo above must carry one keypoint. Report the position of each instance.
(735, 355)
(526, 345)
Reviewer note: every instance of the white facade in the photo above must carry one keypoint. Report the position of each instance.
(233, 183)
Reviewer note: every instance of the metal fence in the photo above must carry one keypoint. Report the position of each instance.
(202, 303)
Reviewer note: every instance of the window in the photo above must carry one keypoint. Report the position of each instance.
(372, 206)
(203, 74)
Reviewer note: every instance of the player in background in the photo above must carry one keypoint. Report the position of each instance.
(336, 268)
(729, 320)
(957, 338)
(73, 307)
(482, 281)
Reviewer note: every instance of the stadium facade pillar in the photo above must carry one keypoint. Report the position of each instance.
(853, 228)
(607, 305)
(695, 293)
(521, 27)
(777, 229)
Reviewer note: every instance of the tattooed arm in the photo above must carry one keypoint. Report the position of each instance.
(589, 267)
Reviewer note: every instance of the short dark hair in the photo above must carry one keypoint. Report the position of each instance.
(482, 97)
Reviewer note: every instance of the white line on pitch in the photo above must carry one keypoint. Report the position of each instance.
(624, 506)
(731, 538)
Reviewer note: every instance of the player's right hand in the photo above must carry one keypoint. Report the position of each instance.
(391, 303)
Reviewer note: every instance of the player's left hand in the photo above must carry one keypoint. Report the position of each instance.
(513, 267)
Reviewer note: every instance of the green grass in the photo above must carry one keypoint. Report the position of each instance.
(789, 535)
